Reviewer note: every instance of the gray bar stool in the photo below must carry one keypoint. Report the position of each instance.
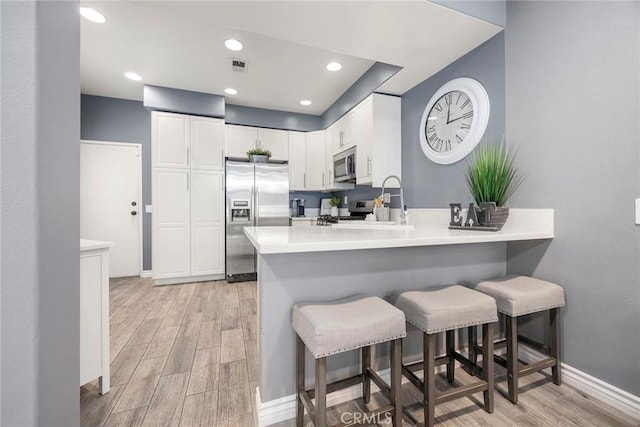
(441, 310)
(518, 296)
(339, 326)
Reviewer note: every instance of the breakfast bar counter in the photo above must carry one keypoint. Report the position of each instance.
(314, 264)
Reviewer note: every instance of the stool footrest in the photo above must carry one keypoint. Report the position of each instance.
(413, 379)
(461, 391)
(339, 385)
(308, 404)
(534, 344)
(475, 369)
(382, 385)
(537, 366)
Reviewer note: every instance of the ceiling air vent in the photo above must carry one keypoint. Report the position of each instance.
(239, 65)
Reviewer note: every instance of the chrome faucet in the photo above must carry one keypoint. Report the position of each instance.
(403, 213)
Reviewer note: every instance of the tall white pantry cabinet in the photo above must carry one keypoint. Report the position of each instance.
(187, 198)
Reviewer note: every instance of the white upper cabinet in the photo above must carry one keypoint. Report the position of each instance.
(378, 135)
(241, 139)
(343, 132)
(170, 133)
(181, 141)
(297, 160)
(207, 143)
(315, 170)
(276, 141)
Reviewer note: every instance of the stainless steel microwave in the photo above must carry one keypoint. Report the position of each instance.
(344, 166)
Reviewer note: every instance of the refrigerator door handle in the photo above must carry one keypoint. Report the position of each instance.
(256, 206)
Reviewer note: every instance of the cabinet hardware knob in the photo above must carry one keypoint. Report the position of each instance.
(134, 213)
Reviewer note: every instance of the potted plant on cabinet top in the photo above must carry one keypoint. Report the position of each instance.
(334, 202)
(492, 178)
(258, 155)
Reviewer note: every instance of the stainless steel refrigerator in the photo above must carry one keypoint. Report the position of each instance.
(257, 194)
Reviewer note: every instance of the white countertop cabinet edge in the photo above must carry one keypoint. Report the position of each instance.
(94, 312)
(430, 229)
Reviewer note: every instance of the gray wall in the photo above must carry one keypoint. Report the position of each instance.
(427, 184)
(39, 196)
(572, 106)
(121, 120)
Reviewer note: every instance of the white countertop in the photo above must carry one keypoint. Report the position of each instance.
(304, 218)
(88, 245)
(430, 229)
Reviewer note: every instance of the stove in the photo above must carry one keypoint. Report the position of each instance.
(358, 209)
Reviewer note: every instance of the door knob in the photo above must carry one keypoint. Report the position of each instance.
(133, 203)
(134, 213)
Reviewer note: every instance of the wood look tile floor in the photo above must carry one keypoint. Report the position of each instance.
(186, 355)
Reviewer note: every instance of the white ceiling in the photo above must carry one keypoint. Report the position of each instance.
(287, 45)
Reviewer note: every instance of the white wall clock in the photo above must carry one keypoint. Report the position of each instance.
(454, 120)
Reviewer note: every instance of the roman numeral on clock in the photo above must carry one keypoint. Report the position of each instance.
(465, 126)
(459, 139)
(465, 103)
(467, 115)
(438, 107)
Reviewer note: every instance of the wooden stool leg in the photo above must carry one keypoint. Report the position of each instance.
(473, 339)
(487, 365)
(511, 327)
(300, 376)
(365, 354)
(321, 392)
(429, 350)
(396, 382)
(554, 323)
(451, 347)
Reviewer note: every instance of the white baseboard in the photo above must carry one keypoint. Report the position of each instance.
(146, 274)
(592, 386)
(284, 408)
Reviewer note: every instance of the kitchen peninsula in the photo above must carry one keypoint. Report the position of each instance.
(313, 264)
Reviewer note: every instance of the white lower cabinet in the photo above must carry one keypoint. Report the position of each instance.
(171, 223)
(207, 222)
(188, 239)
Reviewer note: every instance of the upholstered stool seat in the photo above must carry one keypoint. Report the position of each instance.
(334, 327)
(446, 310)
(518, 296)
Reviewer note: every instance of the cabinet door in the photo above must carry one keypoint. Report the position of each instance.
(334, 133)
(315, 160)
(328, 160)
(363, 130)
(297, 160)
(207, 222)
(207, 143)
(276, 141)
(171, 223)
(240, 139)
(170, 140)
(348, 130)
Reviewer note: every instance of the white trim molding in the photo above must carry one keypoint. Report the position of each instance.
(146, 274)
(594, 387)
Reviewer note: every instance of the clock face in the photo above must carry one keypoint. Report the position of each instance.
(449, 121)
(454, 120)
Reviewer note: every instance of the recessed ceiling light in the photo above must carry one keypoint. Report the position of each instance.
(92, 15)
(230, 91)
(233, 44)
(133, 76)
(305, 102)
(334, 66)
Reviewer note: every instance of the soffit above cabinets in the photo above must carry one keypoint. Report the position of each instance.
(287, 46)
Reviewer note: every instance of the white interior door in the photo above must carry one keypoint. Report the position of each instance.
(110, 202)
